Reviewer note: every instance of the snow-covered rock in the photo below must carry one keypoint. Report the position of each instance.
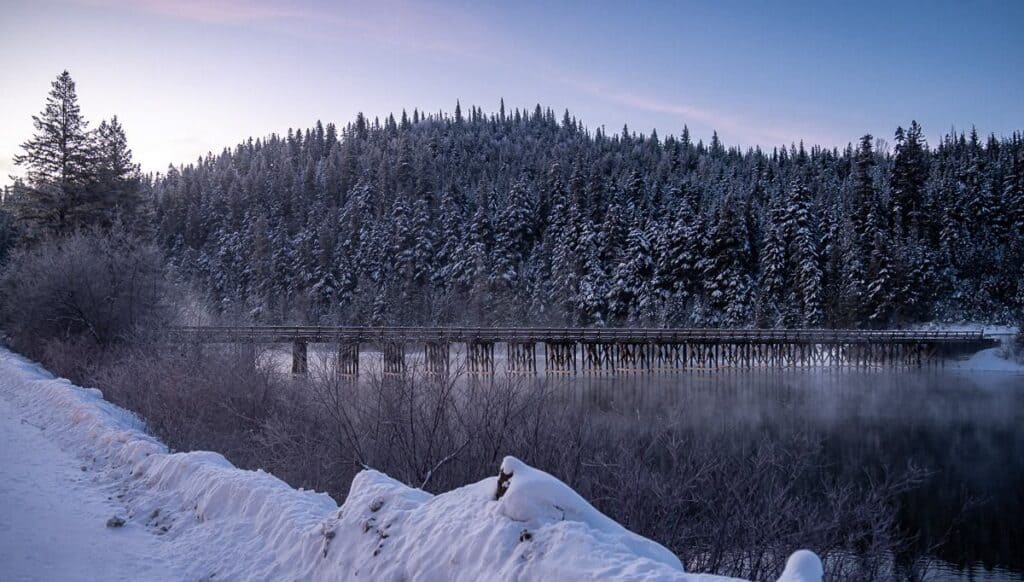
(522, 524)
(802, 566)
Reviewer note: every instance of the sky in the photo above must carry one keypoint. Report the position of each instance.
(186, 77)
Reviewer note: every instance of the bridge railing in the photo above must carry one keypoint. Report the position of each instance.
(327, 334)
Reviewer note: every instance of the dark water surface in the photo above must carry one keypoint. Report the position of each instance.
(965, 427)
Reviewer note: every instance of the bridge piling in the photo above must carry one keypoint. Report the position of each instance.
(300, 362)
(559, 358)
(521, 357)
(436, 358)
(480, 358)
(348, 359)
(394, 358)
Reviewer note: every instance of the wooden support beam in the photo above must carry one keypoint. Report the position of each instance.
(348, 359)
(559, 358)
(436, 358)
(521, 357)
(394, 358)
(480, 358)
(300, 362)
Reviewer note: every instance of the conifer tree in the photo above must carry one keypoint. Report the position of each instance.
(118, 180)
(800, 226)
(60, 164)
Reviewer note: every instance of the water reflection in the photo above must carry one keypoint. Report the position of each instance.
(964, 427)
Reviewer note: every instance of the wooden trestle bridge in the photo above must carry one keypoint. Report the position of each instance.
(603, 351)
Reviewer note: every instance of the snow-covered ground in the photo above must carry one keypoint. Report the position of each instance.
(69, 461)
(53, 510)
(990, 360)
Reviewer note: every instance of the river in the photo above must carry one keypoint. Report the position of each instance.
(965, 426)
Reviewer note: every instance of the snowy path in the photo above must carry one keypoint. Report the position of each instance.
(53, 515)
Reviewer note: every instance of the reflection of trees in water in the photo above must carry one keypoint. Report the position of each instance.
(965, 430)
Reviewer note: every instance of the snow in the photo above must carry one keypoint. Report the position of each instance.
(53, 515)
(990, 360)
(194, 515)
(802, 565)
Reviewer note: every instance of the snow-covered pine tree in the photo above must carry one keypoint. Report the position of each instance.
(801, 226)
(910, 169)
(631, 289)
(773, 270)
(727, 283)
(881, 284)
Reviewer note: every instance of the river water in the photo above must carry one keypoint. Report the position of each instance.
(965, 426)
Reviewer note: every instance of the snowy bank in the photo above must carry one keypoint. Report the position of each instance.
(233, 524)
(989, 360)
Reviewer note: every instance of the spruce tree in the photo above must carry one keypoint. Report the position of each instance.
(117, 186)
(806, 290)
(773, 270)
(60, 162)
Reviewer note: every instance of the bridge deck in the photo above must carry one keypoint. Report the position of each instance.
(342, 334)
(616, 350)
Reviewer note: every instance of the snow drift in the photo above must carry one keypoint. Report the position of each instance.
(522, 524)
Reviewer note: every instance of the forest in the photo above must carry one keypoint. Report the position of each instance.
(517, 217)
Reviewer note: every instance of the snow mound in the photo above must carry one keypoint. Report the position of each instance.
(801, 566)
(523, 524)
(529, 495)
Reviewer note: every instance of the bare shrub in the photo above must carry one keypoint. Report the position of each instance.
(103, 287)
(727, 506)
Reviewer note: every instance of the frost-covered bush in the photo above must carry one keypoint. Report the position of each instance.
(101, 287)
(722, 505)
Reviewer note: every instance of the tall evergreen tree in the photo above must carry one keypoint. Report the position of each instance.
(800, 229)
(910, 169)
(118, 180)
(60, 164)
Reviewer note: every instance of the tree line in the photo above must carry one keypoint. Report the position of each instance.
(519, 217)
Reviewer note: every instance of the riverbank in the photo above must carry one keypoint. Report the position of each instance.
(195, 516)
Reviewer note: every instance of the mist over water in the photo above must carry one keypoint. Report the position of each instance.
(965, 427)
